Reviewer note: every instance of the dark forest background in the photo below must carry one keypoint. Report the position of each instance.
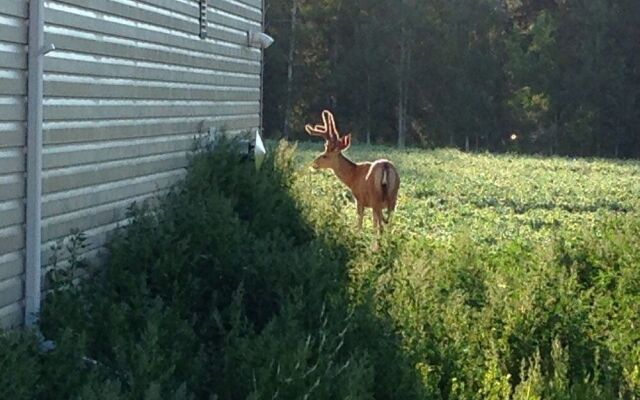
(562, 75)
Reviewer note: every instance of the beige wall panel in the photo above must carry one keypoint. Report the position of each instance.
(11, 291)
(117, 129)
(84, 198)
(89, 175)
(16, 8)
(13, 29)
(11, 239)
(111, 67)
(11, 264)
(11, 315)
(112, 88)
(11, 213)
(12, 187)
(129, 88)
(12, 134)
(13, 87)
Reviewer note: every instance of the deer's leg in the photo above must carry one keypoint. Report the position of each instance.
(360, 208)
(389, 215)
(378, 219)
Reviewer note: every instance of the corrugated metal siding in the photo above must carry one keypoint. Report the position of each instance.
(125, 93)
(129, 86)
(13, 88)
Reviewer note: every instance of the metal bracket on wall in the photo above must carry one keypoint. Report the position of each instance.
(47, 49)
(203, 19)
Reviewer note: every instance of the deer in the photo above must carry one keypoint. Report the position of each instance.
(373, 184)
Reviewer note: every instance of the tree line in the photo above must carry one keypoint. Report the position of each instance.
(537, 76)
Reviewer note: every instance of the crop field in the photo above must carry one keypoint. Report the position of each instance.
(503, 275)
(494, 199)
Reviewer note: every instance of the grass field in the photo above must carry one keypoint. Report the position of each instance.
(502, 277)
(504, 271)
(494, 198)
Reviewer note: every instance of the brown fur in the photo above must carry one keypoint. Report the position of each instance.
(366, 179)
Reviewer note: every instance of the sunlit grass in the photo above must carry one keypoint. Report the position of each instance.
(500, 269)
(493, 197)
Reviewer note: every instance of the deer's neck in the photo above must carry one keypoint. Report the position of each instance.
(346, 170)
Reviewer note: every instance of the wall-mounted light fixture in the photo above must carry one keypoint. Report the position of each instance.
(259, 39)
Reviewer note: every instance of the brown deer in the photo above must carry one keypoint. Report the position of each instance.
(373, 184)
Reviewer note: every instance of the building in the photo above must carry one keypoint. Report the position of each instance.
(126, 87)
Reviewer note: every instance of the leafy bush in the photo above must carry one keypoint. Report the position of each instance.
(20, 366)
(222, 291)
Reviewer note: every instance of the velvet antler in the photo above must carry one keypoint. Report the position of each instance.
(326, 130)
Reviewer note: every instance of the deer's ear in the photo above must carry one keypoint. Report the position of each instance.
(346, 141)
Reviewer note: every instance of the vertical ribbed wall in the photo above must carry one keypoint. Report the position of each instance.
(128, 88)
(13, 88)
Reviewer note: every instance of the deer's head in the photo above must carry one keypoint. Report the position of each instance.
(334, 145)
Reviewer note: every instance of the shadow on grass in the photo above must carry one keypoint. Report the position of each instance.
(223, 291)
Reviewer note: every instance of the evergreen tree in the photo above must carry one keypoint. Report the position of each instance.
(564, 76)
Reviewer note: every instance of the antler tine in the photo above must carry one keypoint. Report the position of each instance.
(330, 123)
(323, 130)
(326, 130)
(317, 130)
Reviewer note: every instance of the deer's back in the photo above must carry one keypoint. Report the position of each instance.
(369, 190)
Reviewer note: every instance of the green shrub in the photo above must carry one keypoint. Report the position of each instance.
(223, 290)
(20, 366)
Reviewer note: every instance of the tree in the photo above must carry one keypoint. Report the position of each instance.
(563, 74)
